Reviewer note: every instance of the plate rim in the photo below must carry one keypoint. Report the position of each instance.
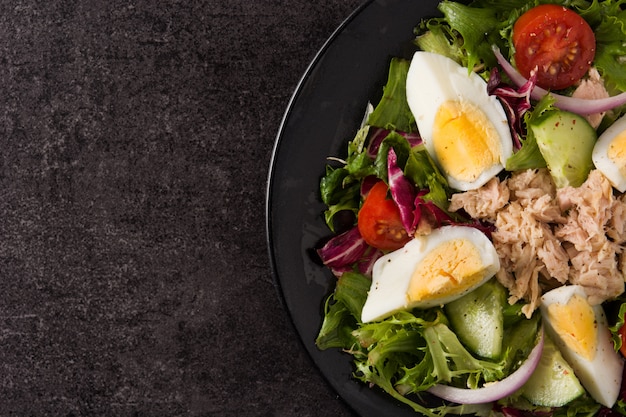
(278, 139)
(344, 396)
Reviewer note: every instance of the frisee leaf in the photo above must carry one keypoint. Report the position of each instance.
(351, 290)
(336, 330)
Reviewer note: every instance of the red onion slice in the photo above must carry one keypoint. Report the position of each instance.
(575, 105)
(496, 390)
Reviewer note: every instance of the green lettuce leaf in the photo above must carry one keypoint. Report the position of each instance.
(477, 27)
(392, 112)
(412, 351)
(337, 326)
(621, 320)
(340, 191)
(466, 32)
(402, 149)
(351, 290)
(421, 169)
(608, 22)
(529, 156)
(340, 187)
(342, 311)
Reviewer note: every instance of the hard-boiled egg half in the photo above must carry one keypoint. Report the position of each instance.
(581, 332)
(430, 270)
(464, 129)
(609, 154)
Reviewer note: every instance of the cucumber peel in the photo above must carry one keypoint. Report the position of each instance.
(553, 384)
(477, 319)
(566, 142)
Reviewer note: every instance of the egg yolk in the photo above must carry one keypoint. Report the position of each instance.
(575, 322)
(450, 268)
(465, 141)
(617, 152)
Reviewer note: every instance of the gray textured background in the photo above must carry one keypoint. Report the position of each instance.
(135, 143)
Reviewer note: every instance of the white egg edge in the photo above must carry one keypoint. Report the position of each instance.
(600, 158)
(422, 245)
(394, 300)
(419, 71)
(607, 364)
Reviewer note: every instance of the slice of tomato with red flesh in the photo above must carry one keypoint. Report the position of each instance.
(555, 40)
(379, 220)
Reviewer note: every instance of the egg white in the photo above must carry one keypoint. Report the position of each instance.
(600, 155)
(602, 375)
(393, 273)
(434, 79)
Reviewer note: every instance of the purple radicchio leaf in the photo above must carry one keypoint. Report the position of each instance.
(379, 134)
(402, 192)
(515, 101)
(366, 263)
(413, 138)
(429, 216)
(367, 183)
(343, 251)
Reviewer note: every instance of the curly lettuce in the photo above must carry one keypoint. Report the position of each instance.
(466, 32)
(414, 350)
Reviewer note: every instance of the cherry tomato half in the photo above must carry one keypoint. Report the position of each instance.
(379, 220)
(555, 40)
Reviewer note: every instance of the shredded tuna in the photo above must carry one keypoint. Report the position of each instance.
(592, 88)
(484, 202)
(547, 237)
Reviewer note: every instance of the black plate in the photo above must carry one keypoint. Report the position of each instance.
(323, 115)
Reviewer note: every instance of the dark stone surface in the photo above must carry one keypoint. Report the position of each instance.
(135, 139)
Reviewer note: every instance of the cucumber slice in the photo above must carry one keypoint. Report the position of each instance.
(553, 384)
(477, 319)
(566, 142)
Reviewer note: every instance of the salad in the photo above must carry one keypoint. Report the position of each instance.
(478, 218)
